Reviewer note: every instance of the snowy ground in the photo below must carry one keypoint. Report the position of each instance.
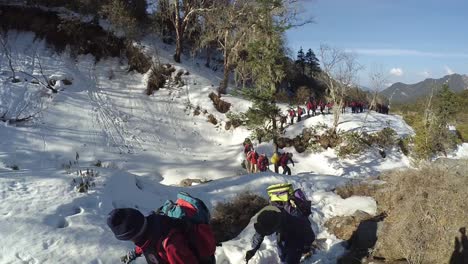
(146, 145)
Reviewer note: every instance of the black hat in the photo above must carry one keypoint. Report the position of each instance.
(268, 221)
(126, 223)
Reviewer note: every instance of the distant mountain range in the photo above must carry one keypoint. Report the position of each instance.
(404, 93)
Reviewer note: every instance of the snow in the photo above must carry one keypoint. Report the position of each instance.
(370, 123)
(461, 152)
(147, 145)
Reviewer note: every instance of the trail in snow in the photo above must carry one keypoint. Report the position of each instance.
(146, 144)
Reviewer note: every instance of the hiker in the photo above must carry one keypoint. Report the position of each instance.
(262, 163)
(247, 145)
(285, 158)
(282, 121)
(288, 217)
(160, 238)
(314, 108)
(309, 108)
(292, 114)
(252, 157)
(322, 107)
(275, 161)
(299, 113)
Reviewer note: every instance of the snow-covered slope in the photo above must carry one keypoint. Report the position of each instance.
(146, 144)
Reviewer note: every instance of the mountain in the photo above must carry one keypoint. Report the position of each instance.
(404, 93)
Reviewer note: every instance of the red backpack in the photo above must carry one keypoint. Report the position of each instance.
(262, 163)
(196, 217)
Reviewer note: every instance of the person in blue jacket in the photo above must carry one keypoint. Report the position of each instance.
(293, 231)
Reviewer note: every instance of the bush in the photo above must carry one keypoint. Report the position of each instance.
(385, 138)
(212, 119)
(85, 180)
(352, 144)
(219, 104)
(302, 94)
(329, 139)
(159, 75)
(426, 208)
(230, 218)
(236, 119)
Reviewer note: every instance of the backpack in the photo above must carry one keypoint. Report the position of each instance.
(196, 218)
(284, 159)
(284, 196)
(275, 158)
(262, 163)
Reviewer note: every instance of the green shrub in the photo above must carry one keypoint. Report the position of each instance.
(236, 119)
(352, 144)
(385, 138)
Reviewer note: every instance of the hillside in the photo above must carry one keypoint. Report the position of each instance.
(135, 149)
(404, 93)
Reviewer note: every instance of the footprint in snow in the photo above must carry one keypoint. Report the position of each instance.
(26, 259)
(60, 219)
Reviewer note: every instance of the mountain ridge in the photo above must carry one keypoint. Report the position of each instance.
(405, 93)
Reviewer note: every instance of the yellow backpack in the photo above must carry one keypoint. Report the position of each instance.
(275, 158)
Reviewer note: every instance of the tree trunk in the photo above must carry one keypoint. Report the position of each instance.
(179, 32)
(275, 137)
(208, 57)
(224, 82)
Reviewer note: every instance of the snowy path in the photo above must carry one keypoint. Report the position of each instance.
(146, 144)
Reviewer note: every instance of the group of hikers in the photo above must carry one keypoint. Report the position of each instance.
(313, 108)
(255, 162)
(180, 232)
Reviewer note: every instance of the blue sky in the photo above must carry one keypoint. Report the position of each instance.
(408, 39)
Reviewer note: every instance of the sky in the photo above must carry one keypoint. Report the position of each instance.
(408, 40)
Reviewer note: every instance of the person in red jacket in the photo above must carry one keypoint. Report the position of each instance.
(309, 108)
(159, 238)
(285, 158)
(262, 162)
(292, 114)
(299, 113)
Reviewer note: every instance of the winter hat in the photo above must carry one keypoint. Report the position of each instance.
(126, 223)
(268, 220)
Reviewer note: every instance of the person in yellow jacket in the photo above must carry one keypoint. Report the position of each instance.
(275, 161)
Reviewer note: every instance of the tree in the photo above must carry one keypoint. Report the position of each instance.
(339, 70)
(183, 13)
(229, 25)
(301, 61)
(238, 26)
(312, 63)
(118, 13)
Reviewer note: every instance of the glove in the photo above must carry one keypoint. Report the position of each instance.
(249, 255)
(306, 249)
(131, 256)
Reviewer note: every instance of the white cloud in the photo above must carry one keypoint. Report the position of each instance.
(396, 71)
(406, 52)
(448, 70)
(425, 74)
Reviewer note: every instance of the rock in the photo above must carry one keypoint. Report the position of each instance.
(343, 227)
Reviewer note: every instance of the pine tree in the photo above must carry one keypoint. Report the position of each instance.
(300, 61)
(311, 62)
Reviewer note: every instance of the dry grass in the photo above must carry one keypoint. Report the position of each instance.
(361, 188)
(426, 208)
(231, 217)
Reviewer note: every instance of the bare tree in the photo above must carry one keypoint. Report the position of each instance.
(339, 72)
(7, 51)
(182, 14)
(378, 80)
